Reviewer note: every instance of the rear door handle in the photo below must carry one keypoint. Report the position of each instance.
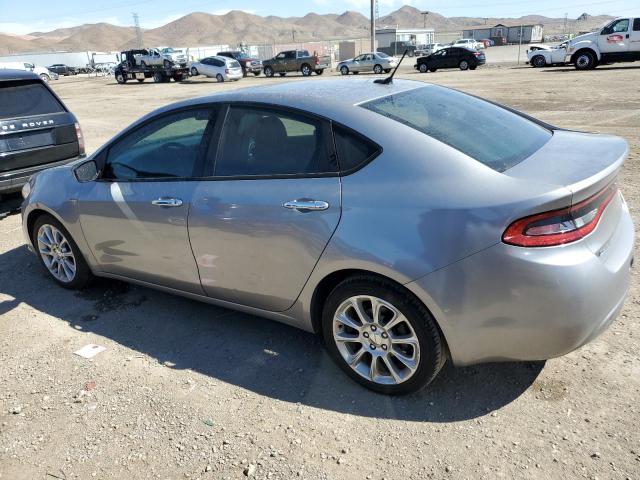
(306, 205)
(167, 202)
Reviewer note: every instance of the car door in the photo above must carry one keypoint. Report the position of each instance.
(260, 224)
(278, 62)
(614, 38)
(134, 216)
(453, 57)
(291, 63)
(439, 59)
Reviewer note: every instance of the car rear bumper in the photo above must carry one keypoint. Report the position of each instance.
(14, 180)
(511, 303)
(233, 76)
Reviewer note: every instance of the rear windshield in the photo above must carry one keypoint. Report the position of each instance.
(488, 133)
(20, 99)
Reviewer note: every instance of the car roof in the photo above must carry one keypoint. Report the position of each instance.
(8, 74)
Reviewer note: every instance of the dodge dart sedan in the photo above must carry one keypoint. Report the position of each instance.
(405, 223)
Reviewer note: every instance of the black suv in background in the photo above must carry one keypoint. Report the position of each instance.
(62, 69)
(36, 129)
(451, 57)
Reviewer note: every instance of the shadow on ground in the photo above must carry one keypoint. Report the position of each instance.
(265, 357)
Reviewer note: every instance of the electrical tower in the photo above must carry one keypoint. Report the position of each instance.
(136, 23)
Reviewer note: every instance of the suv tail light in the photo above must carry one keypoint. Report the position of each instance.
(317, 60)
(80, 139)
(477, 54)
(561, 226)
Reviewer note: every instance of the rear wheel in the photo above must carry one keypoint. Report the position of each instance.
(158, 77)
(377, 69)
(344, 70)
(538, 61)
(268, 72)
(381, 335)
(59, 254)
(219, 78)
(306, 70)
(463, 65)
(387, 70)
(256, 74)
(423, 68)
(319, 71)
(473, 67)
(433, 70)
(282, 74)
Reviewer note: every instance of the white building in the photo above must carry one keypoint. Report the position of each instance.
(416, 36)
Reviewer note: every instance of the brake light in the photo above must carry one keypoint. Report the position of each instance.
(477, 54)
(561, 226)
(317, 60)
(80, 139)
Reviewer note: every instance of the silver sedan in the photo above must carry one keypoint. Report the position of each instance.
(407, 225)
(368, 62)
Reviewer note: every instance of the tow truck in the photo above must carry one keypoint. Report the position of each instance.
(134, 67)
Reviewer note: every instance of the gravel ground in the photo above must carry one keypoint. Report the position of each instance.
(188, 390)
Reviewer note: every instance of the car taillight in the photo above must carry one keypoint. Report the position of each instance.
(477, 54)
(226, 70)
(561, 226)
(80, 139)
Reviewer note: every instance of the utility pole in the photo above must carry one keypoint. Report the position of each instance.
(136, 23)
(424, 16)
(373, 25)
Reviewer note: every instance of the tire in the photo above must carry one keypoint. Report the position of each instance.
(463, 65)
(377, 69)
(356, 73)
(424, 350)
(473, 67)
(219, 78)
(194, 72)
(140, 80)
(387, 70)
(306, 70)
(45, 78)
(120, 78)
(256, 74)
(538, 61)
(282, 74)
(178, 77)
(423, 68)
(344, 70)
(45, 227)
(319, 71)
(158, 77)
(433, 70)
(268, 72)
(584, 60)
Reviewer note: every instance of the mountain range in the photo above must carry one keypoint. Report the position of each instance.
(237, 26)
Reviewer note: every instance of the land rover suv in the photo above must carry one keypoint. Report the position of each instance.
(36, 129)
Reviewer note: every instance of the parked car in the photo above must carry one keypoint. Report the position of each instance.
(451, 57)
(221, 68)
(469, 43)
(398, 48)
(465, 240)
(377, 62)
(543, 55)
(62, 69)
(37, 131)
(45, 74)
(247, 62)
(177, 56)
(618, 41)
(296, 61)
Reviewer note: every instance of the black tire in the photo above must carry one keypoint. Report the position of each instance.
(83, 273)
(423, 68)
(584, 60)
(538, 61)
(432, 349)
(473, 67)
(256, 74)
(140, 80)
(121, 78)
(377, 69)
(178, 77)
(194, 72)
(219, 78)
(306, 70)
(158, 77)
(356, 73)
(344, 70)
(268, 72)
(387, 70)
(463, 65)
(320, 71)
(282, 74)
(433, 70)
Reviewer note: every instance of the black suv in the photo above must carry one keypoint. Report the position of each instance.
(36, 129)
(62, 69)
(451, 57)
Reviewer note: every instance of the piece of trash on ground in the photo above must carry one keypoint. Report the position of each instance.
(90, 351)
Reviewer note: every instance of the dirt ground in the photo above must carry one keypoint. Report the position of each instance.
(188, 390)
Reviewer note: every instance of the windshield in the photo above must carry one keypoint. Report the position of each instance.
(242, 55)
(490, 134)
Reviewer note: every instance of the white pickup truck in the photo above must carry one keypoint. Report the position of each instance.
(165, 58)
(618, 41)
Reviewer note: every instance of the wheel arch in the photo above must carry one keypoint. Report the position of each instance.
(590, 50)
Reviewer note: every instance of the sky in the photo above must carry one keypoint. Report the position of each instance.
(22, 17)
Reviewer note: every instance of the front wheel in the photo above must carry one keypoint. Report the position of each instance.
(423, 68)
(377, 69)
(282, 74)
(194, 72)
(344, 70)
(45, 78)
(381, 335)
(120, 78)
(463, 65)
(268, 72)
(59, 254)
(585, 61)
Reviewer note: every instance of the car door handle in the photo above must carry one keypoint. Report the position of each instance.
(167, 202)
(306, 205)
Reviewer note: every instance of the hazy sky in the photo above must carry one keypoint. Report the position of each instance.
(41, 15)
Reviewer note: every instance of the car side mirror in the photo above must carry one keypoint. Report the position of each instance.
(87, 171)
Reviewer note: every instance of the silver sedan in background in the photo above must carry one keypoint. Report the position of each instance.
(405, 223)
(377, 62)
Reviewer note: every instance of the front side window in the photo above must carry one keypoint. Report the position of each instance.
(261, 141)
(619, 26)
(490, 134)
(280, 56)
(169, 147)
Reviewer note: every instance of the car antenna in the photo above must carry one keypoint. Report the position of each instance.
(389, 79)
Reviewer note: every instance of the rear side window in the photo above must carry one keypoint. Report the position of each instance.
(488, 133)
(636, 25)
(22, 99)
(353, 149)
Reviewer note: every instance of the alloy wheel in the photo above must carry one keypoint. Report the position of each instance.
(376, 340)
(56, 253)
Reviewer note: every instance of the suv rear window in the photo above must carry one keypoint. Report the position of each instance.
(25, 99)
(490, 134)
